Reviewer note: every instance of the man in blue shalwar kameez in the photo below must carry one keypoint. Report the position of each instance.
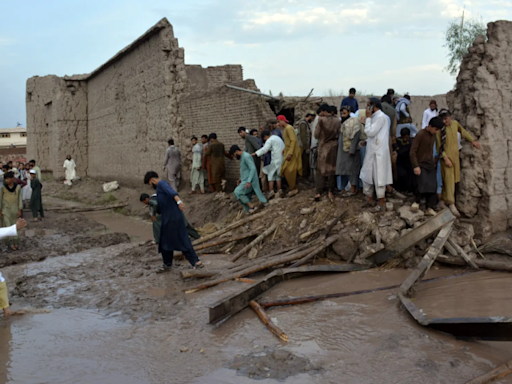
(249, 182)
(173, 233)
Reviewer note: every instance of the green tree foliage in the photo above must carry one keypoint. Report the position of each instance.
(460, 35)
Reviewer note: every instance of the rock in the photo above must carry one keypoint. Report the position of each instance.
(307, 211)
(468, 248)
(417, 224)
(390, 207)
(396, 202)
(398, 224)
(253, 253)
(405, 231)
(409, 254)
(413, 262)
(109, 187)
(303, 224)
(183, 349)
(410, 217)
(388, 235)
(462, 234)
(344, 247)
(387, 219)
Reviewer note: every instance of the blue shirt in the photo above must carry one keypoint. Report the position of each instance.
(350, 102)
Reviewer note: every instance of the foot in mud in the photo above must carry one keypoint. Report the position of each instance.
(164, 268)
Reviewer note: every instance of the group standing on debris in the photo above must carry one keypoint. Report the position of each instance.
(377, 149)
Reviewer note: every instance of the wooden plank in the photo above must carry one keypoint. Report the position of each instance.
(497, 373)
(427, 261)
(463, 254)
(254, 243)
(268, 321)
(486, 264)
(412, 238)
(234, 303)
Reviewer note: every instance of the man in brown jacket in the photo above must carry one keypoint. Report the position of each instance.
(424, 166)
(327, 132)
(217, 154)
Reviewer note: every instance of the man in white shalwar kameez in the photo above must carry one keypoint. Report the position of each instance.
(376, 172)
(275, 145)
(196, 174)
(70, 166)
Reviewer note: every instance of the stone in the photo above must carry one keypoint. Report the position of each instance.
(405, 231)
(109, 187)
(390, 207)
(409, 216)
(344, 247)
(307, 211)
(409, 254)
(280, 354)
(386, 219)
(253, 253)
(462, 234)
(398, 224)
(388, 235)
(303, 224)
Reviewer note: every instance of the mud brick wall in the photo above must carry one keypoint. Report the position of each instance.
(222, 111)
(132, 109)
(482, 103)
(57, 122)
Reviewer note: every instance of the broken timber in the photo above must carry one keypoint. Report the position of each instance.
(86, 209)
(268, 321)
(497, 373)
(412, 238)
(486, 264)
(254, 243)
(461, 253)
(227, 307)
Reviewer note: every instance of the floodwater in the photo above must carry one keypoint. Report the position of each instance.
(138, 230)
(352, 340)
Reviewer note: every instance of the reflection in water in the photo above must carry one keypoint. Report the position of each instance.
(138, 229)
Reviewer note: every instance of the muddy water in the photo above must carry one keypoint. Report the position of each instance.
(478, 295)
(139, 230)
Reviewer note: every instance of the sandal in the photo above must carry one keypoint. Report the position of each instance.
(345, 194)
(378, 209)
(390, 194)
(318, 197)
(252, 210)
(198, 265)
(164, 268)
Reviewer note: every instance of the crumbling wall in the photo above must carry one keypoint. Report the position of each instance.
(133, 107)
(222, 111)
(482, 103)
(57, 122)
(206, 79)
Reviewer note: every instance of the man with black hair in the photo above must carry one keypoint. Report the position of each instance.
(252, 144)
(304, 133)
(275, 146)
(390, 93)
(403, 115)
(313, 152)
(217, 155)
(173, 235)
(327, 132)
(196, 171)
(449, 152)
(36, 200)
(390, 111)
(207, 168)
(254, 132)
(376, 172)
(404, 181)
(350, 100)
(11, 206)
(249, 180)
(172, 162)
(424, 164)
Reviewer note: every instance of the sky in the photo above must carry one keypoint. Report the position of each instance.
(288, 46)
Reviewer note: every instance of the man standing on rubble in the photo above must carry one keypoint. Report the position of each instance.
(172, 162)
(403, 115)
(292, 155)
(327, 132)
(305, 141)
(313, 150)
(217, 155)
(206, 163)
(351, 100)
(275, 146)
(424, 166)
(449, 154)
(376, 172)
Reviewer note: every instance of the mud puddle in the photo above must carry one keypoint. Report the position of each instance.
(138, 230)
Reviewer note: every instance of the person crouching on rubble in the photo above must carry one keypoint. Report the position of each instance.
(173, 235)
(249, 182)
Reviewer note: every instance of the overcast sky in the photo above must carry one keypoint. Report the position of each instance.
(287, 46)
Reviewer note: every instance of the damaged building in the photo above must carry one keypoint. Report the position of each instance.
(116, 120)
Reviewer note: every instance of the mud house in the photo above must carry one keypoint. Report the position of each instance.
(116, 120)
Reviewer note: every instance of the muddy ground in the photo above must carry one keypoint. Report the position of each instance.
(121, 322)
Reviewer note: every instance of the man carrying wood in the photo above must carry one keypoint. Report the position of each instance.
(249, 182)
(424, 166)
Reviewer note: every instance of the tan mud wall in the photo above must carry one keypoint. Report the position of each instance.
(222, 111)
(133, 105)
(56, 122)
(482, 103)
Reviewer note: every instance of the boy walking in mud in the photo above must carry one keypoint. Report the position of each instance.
(173, 235)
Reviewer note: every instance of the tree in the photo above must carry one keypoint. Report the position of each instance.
(459, 37)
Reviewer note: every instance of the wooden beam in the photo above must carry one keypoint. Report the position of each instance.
(463, 254)
(486, 264)
(423, 267)
(234, 303)
(255, 242)
(412, 238)
(268, 321)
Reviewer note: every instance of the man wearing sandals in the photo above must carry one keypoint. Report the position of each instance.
(173, 233)
(376, 172)
(249, 182)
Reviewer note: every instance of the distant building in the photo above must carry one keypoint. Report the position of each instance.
(13, 137)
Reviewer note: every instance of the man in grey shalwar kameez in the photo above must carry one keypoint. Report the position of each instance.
(172, 163)
(348, 162)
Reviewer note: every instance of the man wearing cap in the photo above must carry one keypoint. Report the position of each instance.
(36, 201)
(292, 155)
(305, 141)
(249, 182)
